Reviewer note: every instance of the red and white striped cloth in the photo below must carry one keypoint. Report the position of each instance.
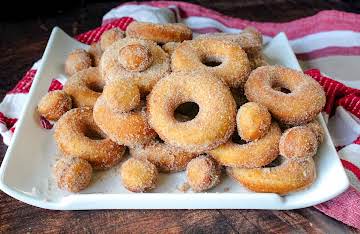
(328, 42)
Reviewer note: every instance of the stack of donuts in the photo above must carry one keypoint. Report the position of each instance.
(209, 105)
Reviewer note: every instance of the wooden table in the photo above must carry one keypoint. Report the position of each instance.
(23, 42)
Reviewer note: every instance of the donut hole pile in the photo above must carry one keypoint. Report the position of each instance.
(205, 105)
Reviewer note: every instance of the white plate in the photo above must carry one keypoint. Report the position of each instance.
(25, 173)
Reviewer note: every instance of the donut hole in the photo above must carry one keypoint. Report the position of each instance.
(277, 162)
(96, 87)
(235, 138)
(186, 111)
(93, 134)
(281, 88)
(211, 61)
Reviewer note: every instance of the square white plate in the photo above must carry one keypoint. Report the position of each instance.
(25, 173)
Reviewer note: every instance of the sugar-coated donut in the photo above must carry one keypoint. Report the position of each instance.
(289, 176)
(54, 104)
(223, 59)
(305, 100)
(160, 33)
(138, 175)
(110, 36)
(253, 154)
(85, 87)
(165, 157)
(95, 52)
(120, 114)
(203, 173)
(76, 61)
(211, 127)
(318, 130)
(170, 47)
(135, 57)
(253, 121)
(298, 142)
(250, 39)
(111, 64)
(72, 174)
(76, 134)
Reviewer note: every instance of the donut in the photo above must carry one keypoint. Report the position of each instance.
(305, 100)
(257, 60)
(110, 36)
(119, 113)
(120, 53)
(85, 87)
(76, 134)
(135, 57)
(160, 33)
(138, 175)
(170, 47)
(252, 154)
(318, 130)
(250, 39)
(54, 104)
(95, 52)
(211, 127)
(72, 174)
(76, 61)
(165, 157)
(289, 176)
(298, 142)
(223, 59)
(253, 121)
(202, 173)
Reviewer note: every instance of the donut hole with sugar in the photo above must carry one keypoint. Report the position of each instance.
(186, 111)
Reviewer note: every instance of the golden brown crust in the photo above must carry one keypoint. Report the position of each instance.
(111, 67)
(203, 173)
(135, 57)
(212, 126)
(85, 87)
(165, 157)
(138, 175)
(72, 174)
(76, 134)
(110, 36)
(160, 33)
(54, 104)
(95, 52)
(253, 121)
(253, 154)
(231, 63)
(298, 142)
(290, 176)
(170, 47)
(318, 130)
(76, 61)
(301, 105)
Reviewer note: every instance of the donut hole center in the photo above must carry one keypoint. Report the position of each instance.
(186, 111)
(96, 87)
(277, 162)
(211, 61)
(93, 134)
(281, 88)
(235, 138)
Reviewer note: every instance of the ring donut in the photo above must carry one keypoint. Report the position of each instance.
(160, 33)
(85, 87)
(305, 100)
(165, 157)
(77, 135)
(223, 59)
(54, 104)
(289, 176)
(118, 112)
(211, 127)
(252, 154)
(141, 61)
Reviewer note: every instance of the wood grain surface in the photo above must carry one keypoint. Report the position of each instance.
(23, 41)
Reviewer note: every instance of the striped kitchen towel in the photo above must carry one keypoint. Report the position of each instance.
(328, 42)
